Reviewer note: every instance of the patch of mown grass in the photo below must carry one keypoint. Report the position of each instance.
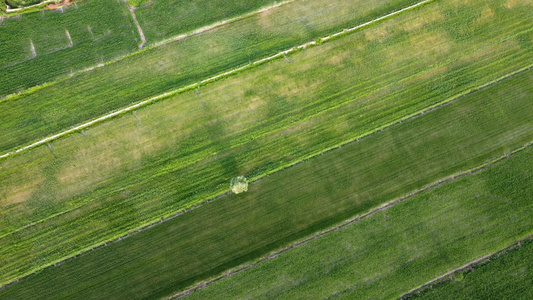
(413, 242)
(505, 276)
(185, 150)
(30, 117)
(311, 196)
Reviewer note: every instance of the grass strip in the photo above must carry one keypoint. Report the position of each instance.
(165, 18)
(52, 109)
(131, 173)
(383, 256)
(298, 201)
(503, 275)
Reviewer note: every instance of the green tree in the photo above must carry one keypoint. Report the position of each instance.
(3, 7)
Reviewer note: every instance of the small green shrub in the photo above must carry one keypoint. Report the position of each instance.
(239, 184)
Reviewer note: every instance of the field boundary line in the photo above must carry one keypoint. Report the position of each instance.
(470, 265)
(353, 220)
(208, 80)
(253, 180)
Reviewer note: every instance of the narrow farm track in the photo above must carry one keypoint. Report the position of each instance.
(139, 29)
(470, 265)
(384, 206)
(356, 219)
(208, 80)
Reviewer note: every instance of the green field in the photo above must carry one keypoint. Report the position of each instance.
(387, 146)
(30, 117)
(415, 241)
(506, 276)
(133, 172)
(286, 206)
(162, 19)
(100, 30)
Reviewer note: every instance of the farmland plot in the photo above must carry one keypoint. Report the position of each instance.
(506, 276)
(182, 151)
(389, 253)
(305, 198)
(38, 47)
(162, 19)
(30, 117)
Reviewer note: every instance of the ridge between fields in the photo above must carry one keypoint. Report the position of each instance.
(384, 206)
(208, 80)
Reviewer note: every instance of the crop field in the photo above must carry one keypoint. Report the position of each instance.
(285, 206)
(385, 255)
(132, 181)
(165, 18)
(31, 116)
(507, 276)
(118, 147)
(36, 48)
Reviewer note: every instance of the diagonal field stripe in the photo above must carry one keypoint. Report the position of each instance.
(208, 80)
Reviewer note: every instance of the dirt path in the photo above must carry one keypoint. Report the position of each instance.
(208, 80)
(221, 23)
(70, 44)
(32, 49)
(141, 33)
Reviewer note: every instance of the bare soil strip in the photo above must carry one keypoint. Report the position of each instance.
(208, 80)
(70, 43)
(141, 33)
(32, 48)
